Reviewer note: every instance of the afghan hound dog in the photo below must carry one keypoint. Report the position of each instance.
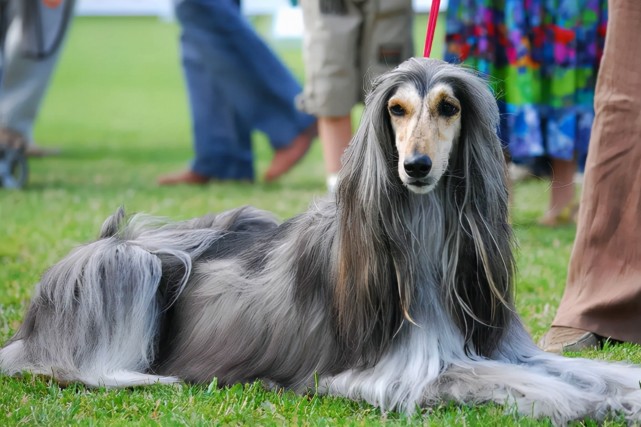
(397, 290)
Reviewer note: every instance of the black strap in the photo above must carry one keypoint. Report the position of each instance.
(30, 11)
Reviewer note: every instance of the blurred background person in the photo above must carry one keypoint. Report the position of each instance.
(32, 33)
(345, 44)
(542, 58)
(602, 297)
(236, 84)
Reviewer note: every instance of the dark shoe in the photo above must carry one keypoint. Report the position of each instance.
(186, 177)
(286, 158)
(561, 338)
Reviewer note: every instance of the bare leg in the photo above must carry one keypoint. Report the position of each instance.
(335, 134)
(562, 196)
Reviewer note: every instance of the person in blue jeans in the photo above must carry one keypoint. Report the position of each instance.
(236, 84)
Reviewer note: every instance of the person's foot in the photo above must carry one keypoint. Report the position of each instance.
(286, 158)
(34, 150)
(188, 177)
(11, 138)
(567, 215)
(519, 173)
(13, 162)
(562, 338)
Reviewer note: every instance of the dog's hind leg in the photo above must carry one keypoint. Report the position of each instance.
(14, 361)
(94, 318)
(122, 379)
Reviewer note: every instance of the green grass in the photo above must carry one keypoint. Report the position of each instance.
(117, 108)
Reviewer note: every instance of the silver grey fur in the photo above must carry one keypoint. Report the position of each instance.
(396, 298)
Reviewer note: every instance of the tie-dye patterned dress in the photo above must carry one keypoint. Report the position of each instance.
(541, 57)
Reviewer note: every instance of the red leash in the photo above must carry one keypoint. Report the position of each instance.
(431, 27)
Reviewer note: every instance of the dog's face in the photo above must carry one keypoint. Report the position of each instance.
(426, 128)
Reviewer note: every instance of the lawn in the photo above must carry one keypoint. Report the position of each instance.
(117, 109)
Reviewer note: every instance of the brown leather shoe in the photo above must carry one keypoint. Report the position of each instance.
(185, 177)
(286, 158)
(561, 338)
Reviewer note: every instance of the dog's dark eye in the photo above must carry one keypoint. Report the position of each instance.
(447, 109)
(397, 110)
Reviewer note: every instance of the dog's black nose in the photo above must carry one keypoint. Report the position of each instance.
(418, 166)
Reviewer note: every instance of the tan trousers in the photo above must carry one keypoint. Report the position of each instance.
(603, 291)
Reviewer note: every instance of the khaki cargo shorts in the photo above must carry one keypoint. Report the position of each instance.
(346, 44)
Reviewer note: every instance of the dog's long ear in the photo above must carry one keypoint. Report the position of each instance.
(373, 275)
(478, 238)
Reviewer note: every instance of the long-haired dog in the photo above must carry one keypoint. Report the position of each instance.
(397, 291)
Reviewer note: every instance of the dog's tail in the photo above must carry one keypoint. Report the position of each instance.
(95, 316)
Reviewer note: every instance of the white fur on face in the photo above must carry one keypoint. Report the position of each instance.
(425, 126)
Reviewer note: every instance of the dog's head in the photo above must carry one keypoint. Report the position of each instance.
(419, 120)
(426, 123)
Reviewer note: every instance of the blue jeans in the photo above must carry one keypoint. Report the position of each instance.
(236, 84)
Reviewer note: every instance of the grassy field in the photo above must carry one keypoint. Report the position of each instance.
(118, 111)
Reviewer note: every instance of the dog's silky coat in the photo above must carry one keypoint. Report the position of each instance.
(398, 291)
